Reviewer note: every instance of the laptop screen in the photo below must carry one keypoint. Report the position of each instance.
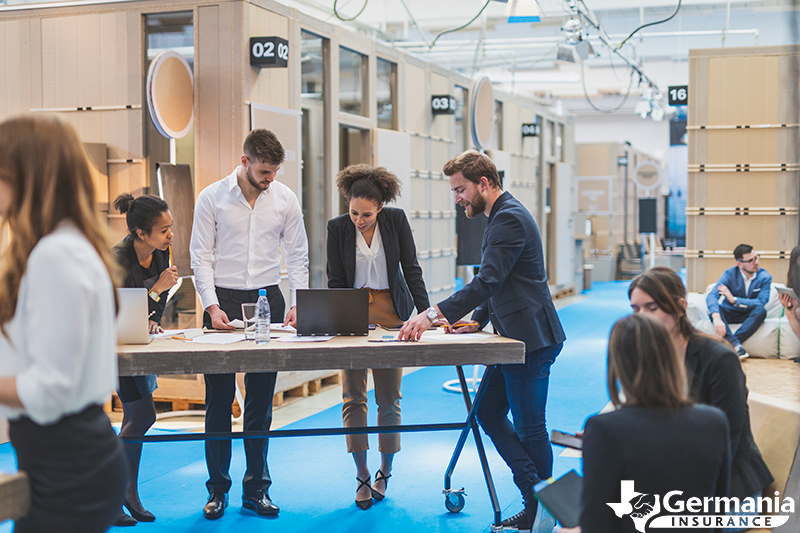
(332, 312)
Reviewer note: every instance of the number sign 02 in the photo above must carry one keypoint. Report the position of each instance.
(443, 104)
(269, 52)
(678, 95)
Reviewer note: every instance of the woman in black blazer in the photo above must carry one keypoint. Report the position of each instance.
(371, 246)
(656, 442)
(713, 369)
(145, 260)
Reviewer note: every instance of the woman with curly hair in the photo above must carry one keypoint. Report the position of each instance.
(371, 247)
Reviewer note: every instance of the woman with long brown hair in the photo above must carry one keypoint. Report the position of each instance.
(657, 440)
(58, 342)
(713, 369)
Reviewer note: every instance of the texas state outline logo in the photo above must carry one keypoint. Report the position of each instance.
(652, 511)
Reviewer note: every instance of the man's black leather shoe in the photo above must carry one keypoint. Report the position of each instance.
(215, 508)
(259, 502)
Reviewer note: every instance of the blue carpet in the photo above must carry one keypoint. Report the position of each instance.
(315, 477)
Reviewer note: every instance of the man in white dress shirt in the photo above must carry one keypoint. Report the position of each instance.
(239, 225)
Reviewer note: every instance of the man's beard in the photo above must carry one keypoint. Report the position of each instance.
(254, 183)
(478, 203)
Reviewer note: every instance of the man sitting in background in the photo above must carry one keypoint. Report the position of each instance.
(739, 297)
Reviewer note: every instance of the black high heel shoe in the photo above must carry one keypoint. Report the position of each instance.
(142, 515)
(363, 504)
(379, 475)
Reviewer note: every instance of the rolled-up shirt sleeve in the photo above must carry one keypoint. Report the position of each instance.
(57, 316)
(295, 244)
(201, 248)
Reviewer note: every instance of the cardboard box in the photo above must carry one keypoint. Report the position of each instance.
(744, 189)
(725, 232)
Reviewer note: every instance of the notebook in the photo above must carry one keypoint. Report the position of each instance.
(132, 323)
(562, 498)
(332, 312)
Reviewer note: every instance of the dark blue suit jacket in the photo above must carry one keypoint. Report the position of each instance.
(511, 287)
(757, 296)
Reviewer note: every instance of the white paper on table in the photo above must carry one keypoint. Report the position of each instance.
(169, 333)
(218, 338)
(238, 324)
(295, 338)
(454, 337)
(280, 327)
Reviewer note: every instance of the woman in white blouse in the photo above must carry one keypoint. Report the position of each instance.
(57, 333)
(372, 247)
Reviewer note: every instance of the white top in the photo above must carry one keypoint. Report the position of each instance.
(370, 262)
(63, 336)
(235, 246)
(747, 281)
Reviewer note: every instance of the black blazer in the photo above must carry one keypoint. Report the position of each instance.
(660, 451)
(511, 287)
(133, 276)
(716, 378)
(405, 275)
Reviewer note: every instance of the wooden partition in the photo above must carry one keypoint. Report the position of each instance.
(743, 159)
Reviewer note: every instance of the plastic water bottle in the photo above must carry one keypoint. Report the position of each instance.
(262, 318)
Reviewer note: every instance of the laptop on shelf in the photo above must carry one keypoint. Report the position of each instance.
(332, 312)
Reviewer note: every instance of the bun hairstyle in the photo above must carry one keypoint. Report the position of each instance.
(142, 213)
(371, 183)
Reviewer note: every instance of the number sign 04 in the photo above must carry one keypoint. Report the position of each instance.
(269, 52)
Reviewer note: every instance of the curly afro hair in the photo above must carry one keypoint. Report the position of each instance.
(372, 183)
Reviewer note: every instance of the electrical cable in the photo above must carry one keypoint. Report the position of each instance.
(335, 12)
(649, 24)
(613, 109)
(463, 26)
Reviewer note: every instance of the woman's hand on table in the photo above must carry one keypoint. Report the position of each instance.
(155, 327)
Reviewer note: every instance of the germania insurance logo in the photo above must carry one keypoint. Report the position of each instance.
(652, 511)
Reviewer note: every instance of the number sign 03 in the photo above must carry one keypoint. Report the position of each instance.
(269, 52)
(678, 95)
(443, 104)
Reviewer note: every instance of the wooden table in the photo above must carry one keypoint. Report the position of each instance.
(169, 356)
(15, 496)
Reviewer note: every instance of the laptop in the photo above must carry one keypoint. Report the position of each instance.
(132, 323)
(332, 312)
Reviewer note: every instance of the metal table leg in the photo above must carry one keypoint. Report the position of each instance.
(454, 499)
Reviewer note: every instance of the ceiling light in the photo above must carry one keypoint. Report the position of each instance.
(522, 11)
(642, 108)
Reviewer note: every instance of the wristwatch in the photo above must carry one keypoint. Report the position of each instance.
(154, 295)
(433, 314)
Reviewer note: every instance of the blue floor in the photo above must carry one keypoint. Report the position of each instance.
(315, 478)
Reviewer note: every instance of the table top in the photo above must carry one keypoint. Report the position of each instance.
(170, 356)
(14, 496)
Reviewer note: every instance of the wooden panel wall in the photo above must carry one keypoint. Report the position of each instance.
(742, 111)
(267, 85)
(221, 121)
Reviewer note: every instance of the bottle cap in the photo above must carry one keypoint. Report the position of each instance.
(262, 292)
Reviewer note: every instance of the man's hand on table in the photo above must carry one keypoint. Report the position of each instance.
(291, 317)
(219, 319)
(413, 329)
(462, 326)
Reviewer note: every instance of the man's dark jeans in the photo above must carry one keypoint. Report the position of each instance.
(522, 389)
(750, 320)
